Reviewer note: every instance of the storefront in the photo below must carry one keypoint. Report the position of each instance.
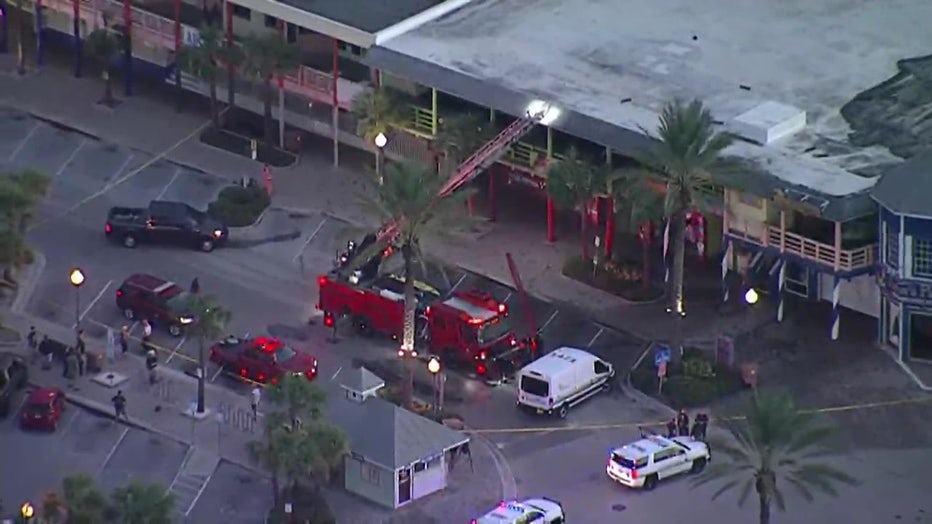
(906, 317)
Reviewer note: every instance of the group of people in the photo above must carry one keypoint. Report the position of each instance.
(679, 426)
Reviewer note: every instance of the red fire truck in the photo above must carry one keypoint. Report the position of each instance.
(466, 329)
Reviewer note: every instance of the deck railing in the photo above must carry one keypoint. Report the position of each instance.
(818, 252)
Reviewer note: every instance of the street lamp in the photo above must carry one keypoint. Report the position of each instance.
(380, 142)
(77, 280)
(435, 368)
(751, 297)
(27, 511)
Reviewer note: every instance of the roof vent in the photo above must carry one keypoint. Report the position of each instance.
(768, 122)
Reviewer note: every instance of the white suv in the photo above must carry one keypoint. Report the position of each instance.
(642, 464)
(531, 511)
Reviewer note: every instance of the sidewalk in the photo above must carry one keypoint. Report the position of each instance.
(314, 184)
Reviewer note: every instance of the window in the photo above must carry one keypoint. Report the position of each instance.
(534, 386)
(750, 200)
(666, 454)
(922, 258)
(420, 466)
(892, 247)
(271, 22)
(370, 473)
(242, 12)
(601, 368)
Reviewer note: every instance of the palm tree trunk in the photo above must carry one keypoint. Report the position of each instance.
(214, 115)
(201, 375)
(583, 231)
(108, 86)
(764, 508)
(677, 299)
(267, 111)
(231, 93)
(408, 333)
(17, 22)
(645, 271)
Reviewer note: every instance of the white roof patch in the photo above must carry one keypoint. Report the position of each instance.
(469, 308)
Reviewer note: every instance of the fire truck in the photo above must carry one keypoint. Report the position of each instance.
(467, 329)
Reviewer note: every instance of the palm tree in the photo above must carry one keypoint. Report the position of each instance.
(103, 44)
(17, 23)
(409, 198)
(687, 147)
(377, 111)
(267, 57)
(205, 61)
(774, 443)
(461, 135)
(140, 503)
(20, 192)
(209, 323)
(643, 205)
(573, 182)
(298, 442)
(84, 503)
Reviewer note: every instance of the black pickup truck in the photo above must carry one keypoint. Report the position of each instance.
(165, 223)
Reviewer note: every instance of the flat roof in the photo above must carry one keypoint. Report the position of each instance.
(366, 15)
(616, 62)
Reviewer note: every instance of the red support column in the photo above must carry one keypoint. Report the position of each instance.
(128, 50)
(336, 102)
(551, 221)
(609, 227)
(492, 210)
(178, 31)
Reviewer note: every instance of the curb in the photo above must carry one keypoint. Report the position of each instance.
(640, 395)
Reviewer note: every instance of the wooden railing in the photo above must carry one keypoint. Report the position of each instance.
(421, 122)
(824, 254)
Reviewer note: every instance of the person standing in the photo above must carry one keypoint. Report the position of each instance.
(152, 363)
(256, 397)
(671, 427)
(682, 423)
(146, 334)
(81, 348)
(119, 406)
(32, 342)
(71, 364)
(124, 339)
(195, 286)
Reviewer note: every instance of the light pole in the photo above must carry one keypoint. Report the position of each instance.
(380, 142)
(435, 368)
(77, 280)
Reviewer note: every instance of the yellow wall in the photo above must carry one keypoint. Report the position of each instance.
(746, 214)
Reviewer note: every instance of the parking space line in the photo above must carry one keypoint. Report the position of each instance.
(507, 297)
(94, 301)
(68, 160)
(168, 185)
(200, 492)
(458, 282)
(549, 320)
(122, 167)
(595, 337)
(70, 423)
(217, 374)
(310, 238)
(334, 377)
(35, 127)
(175, 350)
(112, 452)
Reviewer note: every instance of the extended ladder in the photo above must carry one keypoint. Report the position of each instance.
(481, 159)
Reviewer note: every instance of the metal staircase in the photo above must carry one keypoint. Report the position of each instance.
(481, 159)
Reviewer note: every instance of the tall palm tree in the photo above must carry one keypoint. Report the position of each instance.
(103, 44)
(773, 444)
(17, 23)
(573, 183)
(205, 61)
(300, 398)
(643, 205)
(20, 193)
(209, 323)
(687, 148)
(461, 135)
(140, 503)
(267, 57)
(409, 198)
(377, 111)
(84, 502)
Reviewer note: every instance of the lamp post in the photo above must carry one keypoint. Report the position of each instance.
(751, 296)
(27, 511)
(435, 368)
(77, 280)
(380, 142)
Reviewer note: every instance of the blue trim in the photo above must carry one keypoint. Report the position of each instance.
(810, 264)
(4, 27)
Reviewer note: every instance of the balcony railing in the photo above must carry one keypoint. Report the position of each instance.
(808, 249)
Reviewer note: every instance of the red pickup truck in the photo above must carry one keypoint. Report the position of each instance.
(262, 359)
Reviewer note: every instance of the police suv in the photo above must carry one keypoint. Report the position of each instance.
(531, 511)
(644, 463)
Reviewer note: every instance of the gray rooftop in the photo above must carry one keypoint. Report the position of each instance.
(386, 434)
(906, 189)
(367, 15)
(359, 379)
(611, 79)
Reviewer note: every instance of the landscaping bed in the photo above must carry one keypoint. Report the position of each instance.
(238, 206)
(696, 380)
(241, 145)
(308, 504)
(622, 278)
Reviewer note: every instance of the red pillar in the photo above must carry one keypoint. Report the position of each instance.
(178, 30)
(492, 210)
(551, 221)
(335, 73)
(609, 227)
(229, 24)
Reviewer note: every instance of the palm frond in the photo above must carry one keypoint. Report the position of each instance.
(728, 486)
(377, 111)
(745, 492)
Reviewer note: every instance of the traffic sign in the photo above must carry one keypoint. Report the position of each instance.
(661, 356)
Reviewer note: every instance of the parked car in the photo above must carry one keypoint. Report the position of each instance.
(561, 379)
(14, 375)
(165, 223)
(262, 359)
(539, 510)
(162, 302)
(43, 409)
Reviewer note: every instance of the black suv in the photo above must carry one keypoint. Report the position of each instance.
(161, 302)
(165, 223)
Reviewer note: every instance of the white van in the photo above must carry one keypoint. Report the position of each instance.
(562, 379)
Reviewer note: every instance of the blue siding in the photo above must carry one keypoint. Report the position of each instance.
(919, 227)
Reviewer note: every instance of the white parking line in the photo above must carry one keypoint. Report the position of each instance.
(595, 337)
(176, 348)
(507, 297)
(334, 377)
(458, 282)
(94, 301)
(168, 185)
(122, 167)
(310, 238)
(68, 160)
(549, 320)
(217, 374)
(112, 452)
(35, 127)
(200, 492)
(70, 423)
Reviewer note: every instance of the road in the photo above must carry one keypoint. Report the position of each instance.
(115, 454)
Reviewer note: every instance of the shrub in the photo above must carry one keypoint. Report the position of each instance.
(622, 278)
(239, 206)
(694, 381)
